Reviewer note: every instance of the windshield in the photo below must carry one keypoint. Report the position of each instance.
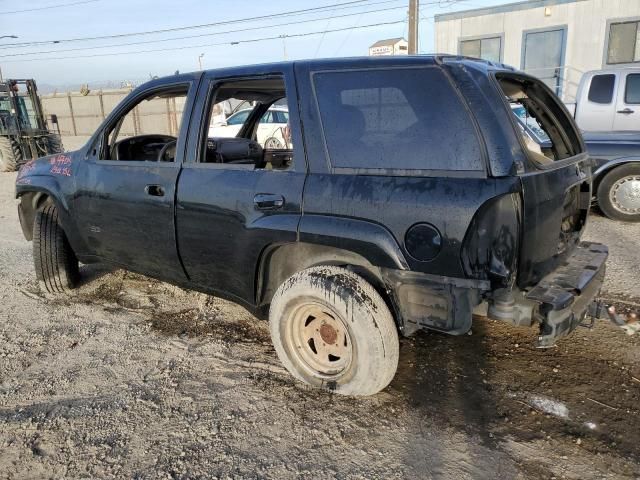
(26, 112)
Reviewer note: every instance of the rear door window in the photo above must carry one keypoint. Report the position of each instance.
(601, 89)
(632, 90)
(396, 119)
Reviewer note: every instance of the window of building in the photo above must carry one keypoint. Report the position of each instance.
(624, 43)
(402, 119)
(485, 48)
(601, 89)
(632, 90)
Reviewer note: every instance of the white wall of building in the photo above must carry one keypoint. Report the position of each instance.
(398, 48)
(587, 31)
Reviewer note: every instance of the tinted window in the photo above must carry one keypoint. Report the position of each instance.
(632, 91)
(601, 89)
(396, 119)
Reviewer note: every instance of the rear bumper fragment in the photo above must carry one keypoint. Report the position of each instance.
(565, 295)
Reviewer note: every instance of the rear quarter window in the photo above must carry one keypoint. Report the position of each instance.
(396, 119)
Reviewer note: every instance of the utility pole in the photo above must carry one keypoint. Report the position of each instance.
(414, 19)
(200, 60)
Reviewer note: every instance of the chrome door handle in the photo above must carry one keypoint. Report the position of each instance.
(268, 201)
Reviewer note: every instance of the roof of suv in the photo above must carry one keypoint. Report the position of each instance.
(392, 60)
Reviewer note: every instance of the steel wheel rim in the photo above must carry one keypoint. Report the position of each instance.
(320, 340)
(625, 194)
(272, 143)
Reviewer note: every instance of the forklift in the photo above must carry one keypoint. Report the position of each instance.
(24, 133)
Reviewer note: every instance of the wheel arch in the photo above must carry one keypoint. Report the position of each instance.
(603, 170)
(34, 195)
(280, 261)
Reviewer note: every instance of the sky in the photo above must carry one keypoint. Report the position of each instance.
(79, 19)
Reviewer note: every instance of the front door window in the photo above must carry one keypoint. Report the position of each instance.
(149, 130)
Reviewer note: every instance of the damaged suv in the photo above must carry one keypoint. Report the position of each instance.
(402, 196)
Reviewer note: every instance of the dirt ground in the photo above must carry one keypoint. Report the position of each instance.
(134, 378)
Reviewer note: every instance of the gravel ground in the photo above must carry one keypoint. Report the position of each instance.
(134, 378)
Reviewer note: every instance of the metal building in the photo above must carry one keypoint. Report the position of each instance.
(556, 40)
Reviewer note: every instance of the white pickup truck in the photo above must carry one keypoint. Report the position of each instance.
(608, 100)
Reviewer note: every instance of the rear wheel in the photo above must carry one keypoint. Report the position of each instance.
(619, 193)
(10, 154)
(331, 329)
(55, 263)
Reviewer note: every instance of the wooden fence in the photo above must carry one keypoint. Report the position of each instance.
(80, 114)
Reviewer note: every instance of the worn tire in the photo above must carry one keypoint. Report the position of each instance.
(369, 338)
(55, 262)
(10, 154)
(610, 181)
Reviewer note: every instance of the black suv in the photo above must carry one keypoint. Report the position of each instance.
(399, 195)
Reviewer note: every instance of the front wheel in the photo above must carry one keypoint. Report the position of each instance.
(55, 262)
(619, 193)
(331, 329)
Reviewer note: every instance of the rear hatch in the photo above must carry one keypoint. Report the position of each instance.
(556, 182)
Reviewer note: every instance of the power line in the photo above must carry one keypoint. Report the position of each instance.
(189, 27)
(335, 6)
(202, 34)
(49, 7)
(237, 42)
(348, 35)
(323, 34)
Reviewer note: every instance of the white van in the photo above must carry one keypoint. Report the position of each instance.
(609, 100)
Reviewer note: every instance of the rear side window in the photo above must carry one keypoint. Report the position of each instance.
(402, 119)
(601, 89)
(632, 90)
